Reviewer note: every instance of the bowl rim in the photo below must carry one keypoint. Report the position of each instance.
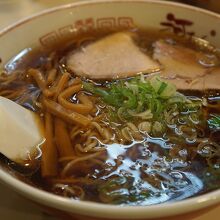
(98, 209)
(79, 3)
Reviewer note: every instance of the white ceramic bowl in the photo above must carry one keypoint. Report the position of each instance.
(48, 27)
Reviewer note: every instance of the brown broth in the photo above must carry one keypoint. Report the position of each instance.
(142, 172)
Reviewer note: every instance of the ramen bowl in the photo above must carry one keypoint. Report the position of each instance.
(46, 29)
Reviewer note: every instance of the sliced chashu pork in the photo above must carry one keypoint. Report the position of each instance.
(181, 66)
(114, 56)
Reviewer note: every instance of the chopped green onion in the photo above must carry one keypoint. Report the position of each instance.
(214, 122)
(162, 88)
(140, 98)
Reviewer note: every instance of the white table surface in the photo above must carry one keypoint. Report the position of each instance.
(12, 206)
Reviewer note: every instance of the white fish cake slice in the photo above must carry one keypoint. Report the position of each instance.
(20, 131)
(112, 57)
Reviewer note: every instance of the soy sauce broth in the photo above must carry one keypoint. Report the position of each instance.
(156, 169)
